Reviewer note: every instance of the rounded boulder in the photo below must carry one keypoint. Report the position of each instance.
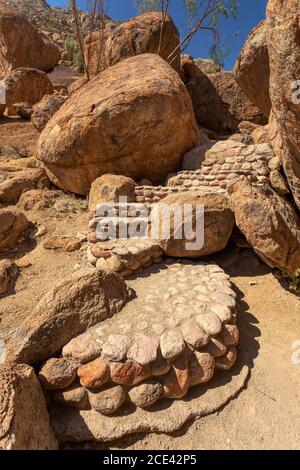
(134, 119)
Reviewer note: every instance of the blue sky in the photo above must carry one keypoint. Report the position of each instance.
(233, 32)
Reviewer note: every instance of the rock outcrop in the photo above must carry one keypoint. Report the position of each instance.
(140, 35)
(134, 119)
(45, 109)
(219, 103)
(8, 273)
(12, 225)
(206, 224)
(76, 303)
(269, 224)
(252, 69)
(21, 45)
(284, 51)
(24, 419)
(26, 85)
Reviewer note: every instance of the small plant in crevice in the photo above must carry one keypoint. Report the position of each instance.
(293, 279)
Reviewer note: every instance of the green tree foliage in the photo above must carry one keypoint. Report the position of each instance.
(201, 15)
(71, 46)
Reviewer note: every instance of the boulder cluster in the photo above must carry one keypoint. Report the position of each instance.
(141, 319)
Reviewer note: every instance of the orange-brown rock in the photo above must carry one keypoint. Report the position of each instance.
(134, 119)
(19, 182)
(21, 45)
(109, 188)
(188, 68)
(176, 383)
(26, 85)
(269, 223)
(73, 305)
(146, 394)
(218, 223)
(230, 335)
(45, 109)
(139, 35)
(201, 367)
(12, 224)
(18, 138)
(284, 52)
(58, 373)
(68, 244)
(228, 360)
(8, 272)
(128, 373)
(252, 69)
(94, 374)
(107, 401)
(219, 103)
(24, 110)
(24, 420)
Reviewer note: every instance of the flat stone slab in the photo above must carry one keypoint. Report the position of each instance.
(71, 425)
(124, 256)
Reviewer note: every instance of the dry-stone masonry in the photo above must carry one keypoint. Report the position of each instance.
(126, 257)
(173, 337)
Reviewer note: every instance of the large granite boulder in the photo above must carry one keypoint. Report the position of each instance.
(252, 69)
(26, 85)
(284, 51)
(134, 119)
(21, 45)
(219, 103)
(139, 35)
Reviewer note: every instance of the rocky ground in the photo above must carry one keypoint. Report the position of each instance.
(173, 342)
(267, 407)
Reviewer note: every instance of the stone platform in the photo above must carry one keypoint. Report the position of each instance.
(177, 331)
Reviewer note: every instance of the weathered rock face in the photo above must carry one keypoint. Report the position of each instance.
(139, 35)
(252, 69)
(24, 420)
(18, 139)
(12, 225)
(109, 188)
(218, 224)
(26, 85)
(188, 68)
(45, 109)
(23, 109)
(284, 51)
(77, 302)
(269, 224)
(219, 104)
(17, 183)
(21, 45)
(134, 119)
